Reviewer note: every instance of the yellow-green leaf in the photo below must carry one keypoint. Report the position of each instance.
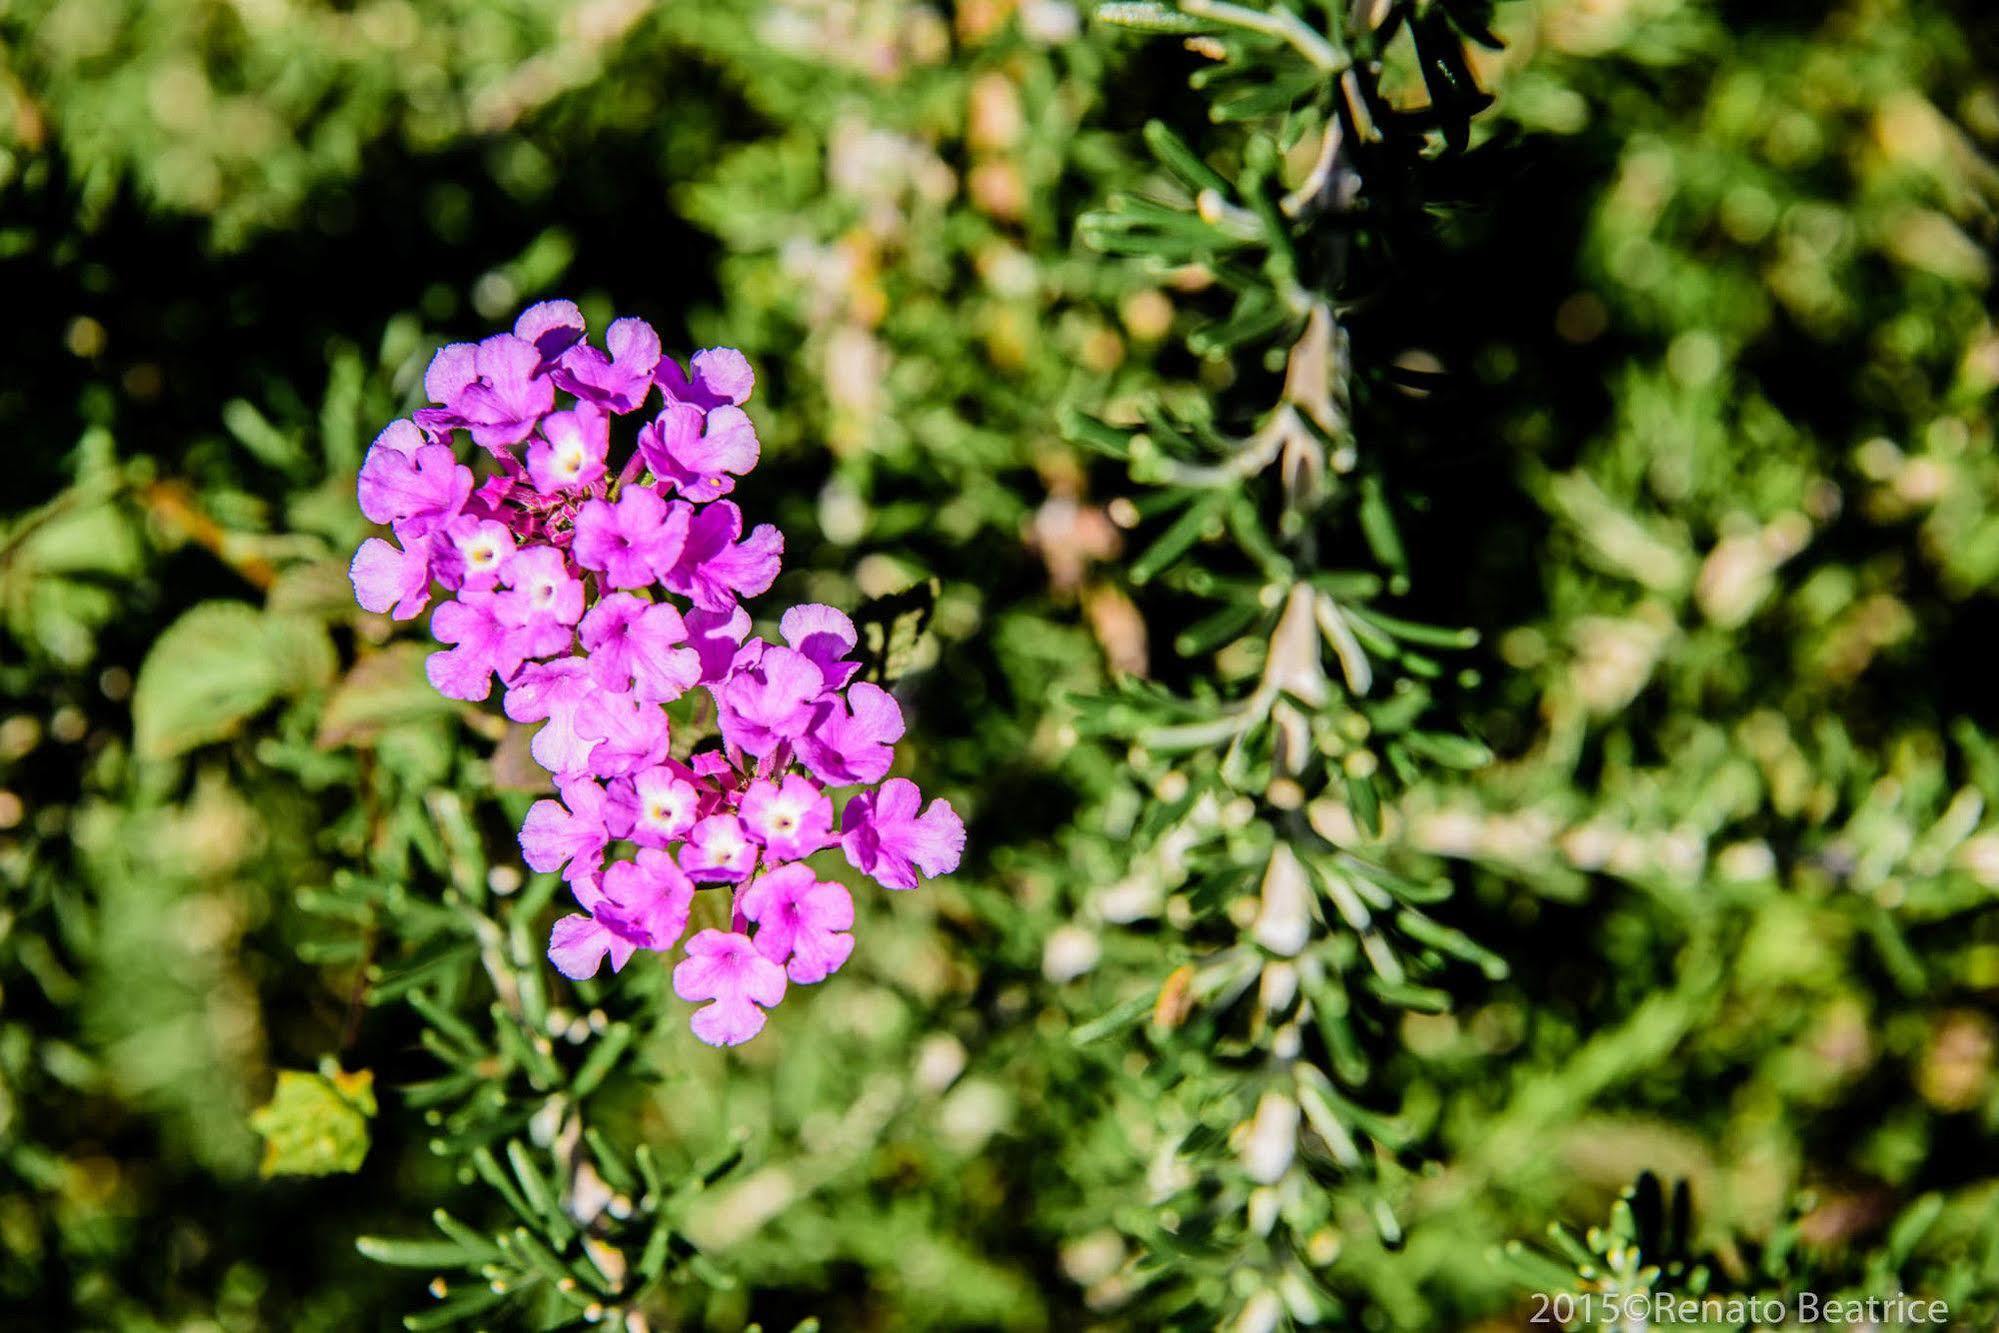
(316, 1124)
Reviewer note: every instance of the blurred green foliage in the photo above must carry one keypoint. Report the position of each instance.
(1670, 377)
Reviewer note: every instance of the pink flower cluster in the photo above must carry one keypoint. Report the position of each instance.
(597, 593)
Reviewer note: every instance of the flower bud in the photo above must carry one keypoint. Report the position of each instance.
(1284, 921)
(1294, 666)
(1261, 1314)
(1271, 1139)
(1070, 952)
(1262, 1210)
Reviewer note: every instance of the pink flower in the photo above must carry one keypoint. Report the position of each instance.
(509, 397)
(553, 327)
(553, 692)
(637, 904)
(718, 851)
(452, 370)
(578, 944)
(621, 380)
(497, 389)
(713, 568)
(545, 602)
(499, 492)
(570, 455)
(727, 969)
(417, 487)
(485, 642)
(597, 600)
(398, 437)
(699, 455)
(853, 741)
(665, 804)
(791, 820)
(390, 578)
(715, 636)
(825, 636)
(884, 836)
(768, 697)
(474, 554)
(571, 832)
(635, 645)
(634, 541)
(630, 735)
(714, 765)
(800, 918)
(646, 899)
(722, 376)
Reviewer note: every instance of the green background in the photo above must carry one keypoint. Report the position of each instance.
(1709, 467)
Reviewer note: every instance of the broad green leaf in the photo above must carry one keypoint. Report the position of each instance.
(216, 667)
(316, 1124)
(60, 574)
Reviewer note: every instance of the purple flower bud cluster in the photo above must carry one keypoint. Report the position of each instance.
(596, 592)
